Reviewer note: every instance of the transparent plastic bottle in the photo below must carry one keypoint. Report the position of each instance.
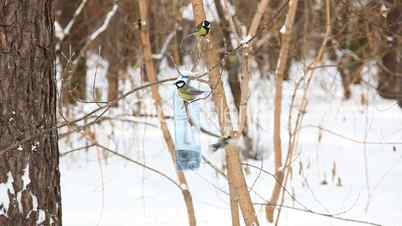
(187, 135)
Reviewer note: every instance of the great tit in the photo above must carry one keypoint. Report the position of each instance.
(187, 92)
(222, 142)
(243, 144)
(202, 29)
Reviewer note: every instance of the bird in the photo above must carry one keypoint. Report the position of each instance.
(187, 92)
(202, 29)
(243, 144)
(222, 142)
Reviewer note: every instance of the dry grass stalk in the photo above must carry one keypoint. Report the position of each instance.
(151, 74)
(246, 75)
(281, 68)
(293, 139)
(235, 173)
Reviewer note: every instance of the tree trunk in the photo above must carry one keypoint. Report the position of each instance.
(390, 73)
(113, 84)
(29, 175)
(175, 48)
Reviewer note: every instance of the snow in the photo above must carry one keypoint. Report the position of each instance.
(34, 202)
(34, 146)
(210, 11)
(58, 31)
(245, 40)
(384, 10)
(117, 192)
(390, 38)
(41, 217)
(25, 177)
(283, 29)
(6, 188)
(183, 186)
(25, 180)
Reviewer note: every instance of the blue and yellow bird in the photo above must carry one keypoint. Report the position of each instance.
(202, 29)
(187, 92)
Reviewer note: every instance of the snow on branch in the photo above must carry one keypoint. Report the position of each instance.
(76, 13)
(105, 24)
(246, 40)
(284, 27)
(164, 46)
(95, 34)
(60, 32)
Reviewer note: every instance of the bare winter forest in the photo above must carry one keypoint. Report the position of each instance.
(200, 112)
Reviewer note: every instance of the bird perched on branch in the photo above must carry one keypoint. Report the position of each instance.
(187, 92)
(202, 29)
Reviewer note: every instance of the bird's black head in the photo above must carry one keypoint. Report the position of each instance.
(206, 24)
(180, 84)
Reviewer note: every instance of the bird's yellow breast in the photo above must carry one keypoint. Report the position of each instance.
(184, 95)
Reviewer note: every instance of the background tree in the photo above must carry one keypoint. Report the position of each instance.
(29, 173)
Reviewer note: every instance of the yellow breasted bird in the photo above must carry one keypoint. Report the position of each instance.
(202, 29)
(187, 92)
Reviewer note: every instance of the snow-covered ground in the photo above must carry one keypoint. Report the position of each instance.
(362, 142)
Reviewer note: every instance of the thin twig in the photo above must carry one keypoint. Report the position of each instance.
(139, 164)
(321, 214)
(349, 138)
(76, 149)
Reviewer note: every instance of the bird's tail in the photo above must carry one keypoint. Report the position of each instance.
(222, 142)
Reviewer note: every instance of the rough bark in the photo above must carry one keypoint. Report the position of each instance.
(29, 175)
(235, 173)
(151, 75)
